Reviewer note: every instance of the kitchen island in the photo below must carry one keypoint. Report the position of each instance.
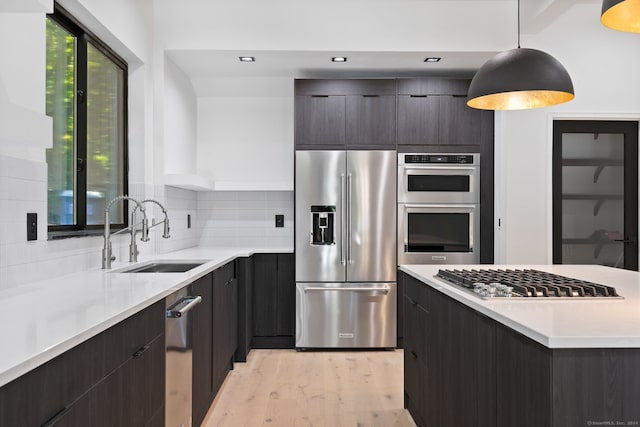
(521, 361)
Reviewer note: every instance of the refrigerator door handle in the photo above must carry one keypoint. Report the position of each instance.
(348, 237)
(343, 260)
(384, 290)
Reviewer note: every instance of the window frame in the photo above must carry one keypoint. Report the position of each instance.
(84, 37)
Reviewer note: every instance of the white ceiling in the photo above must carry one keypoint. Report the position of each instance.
(207, 68)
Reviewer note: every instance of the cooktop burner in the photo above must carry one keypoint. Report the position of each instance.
(526, 283)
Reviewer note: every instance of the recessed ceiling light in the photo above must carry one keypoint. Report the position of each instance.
(247, 58)
(432, 59)
(339, 59)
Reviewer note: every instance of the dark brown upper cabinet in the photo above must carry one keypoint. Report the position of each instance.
(433, 112)
(345, 114)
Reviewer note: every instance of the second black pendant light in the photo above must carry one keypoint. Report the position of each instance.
(519, 79)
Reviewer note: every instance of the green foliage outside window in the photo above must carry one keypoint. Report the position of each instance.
(87, 104)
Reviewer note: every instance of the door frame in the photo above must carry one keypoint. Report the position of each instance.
(630, 128)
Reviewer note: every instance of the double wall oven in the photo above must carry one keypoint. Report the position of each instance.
(438, 208)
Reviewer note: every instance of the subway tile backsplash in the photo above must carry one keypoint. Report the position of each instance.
(217, 219)
(245, 218)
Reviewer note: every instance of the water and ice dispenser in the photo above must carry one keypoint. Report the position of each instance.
(323, 225)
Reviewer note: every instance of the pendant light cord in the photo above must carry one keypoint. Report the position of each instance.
(518, 24)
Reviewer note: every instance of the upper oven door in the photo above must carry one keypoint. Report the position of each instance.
(432, 183)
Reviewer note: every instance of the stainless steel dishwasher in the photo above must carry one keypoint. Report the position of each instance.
(179, 350)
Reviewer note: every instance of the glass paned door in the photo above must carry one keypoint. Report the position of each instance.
(595, 193)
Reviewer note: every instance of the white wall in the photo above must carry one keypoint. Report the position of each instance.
(247, 141)
(604, 66)
(180, 121)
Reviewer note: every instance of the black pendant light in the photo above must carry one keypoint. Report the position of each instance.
(621, 15)
(520, 79)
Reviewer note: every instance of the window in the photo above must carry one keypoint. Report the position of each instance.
(86, 95)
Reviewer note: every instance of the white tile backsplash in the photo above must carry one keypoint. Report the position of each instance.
(245, 218)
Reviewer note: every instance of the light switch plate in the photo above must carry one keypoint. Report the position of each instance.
(279, 221)
(32, 226)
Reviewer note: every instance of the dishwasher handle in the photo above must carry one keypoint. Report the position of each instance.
(183, 306)
(384, 290)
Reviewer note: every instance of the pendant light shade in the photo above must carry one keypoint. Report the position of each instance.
(621, 15)
(519, 79)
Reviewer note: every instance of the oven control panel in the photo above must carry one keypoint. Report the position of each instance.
(439, 159)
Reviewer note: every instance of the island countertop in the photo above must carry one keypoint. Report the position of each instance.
(46, 318)
(557, 323)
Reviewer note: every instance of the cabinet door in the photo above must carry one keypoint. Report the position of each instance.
(286, 295)
(245, 308)
(418, 119)
(460, 124)
(320, 121)
(265, 292)
(223, 323)
(371, 122)
(202, 332)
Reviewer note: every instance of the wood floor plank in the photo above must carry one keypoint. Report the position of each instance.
(286, 388)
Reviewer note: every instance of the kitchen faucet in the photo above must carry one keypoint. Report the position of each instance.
(165, 221)
(107, 256)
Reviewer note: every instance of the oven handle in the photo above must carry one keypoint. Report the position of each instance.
(427, 206)
(442, 168)
(384, 290)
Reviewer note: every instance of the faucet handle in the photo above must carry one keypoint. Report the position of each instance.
(145, 230)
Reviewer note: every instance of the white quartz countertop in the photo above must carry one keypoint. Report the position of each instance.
(559, 323)
(46, 318)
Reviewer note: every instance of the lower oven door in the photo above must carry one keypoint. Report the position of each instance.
(346, 315)
(438, 233)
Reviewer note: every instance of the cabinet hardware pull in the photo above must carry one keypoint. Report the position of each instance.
(319, 96)
(413, 303)
(417, 96)
(140, 351)
(371, 96)
(56, 417)
(413, 354)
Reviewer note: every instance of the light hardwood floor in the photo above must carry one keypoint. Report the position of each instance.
(319, 389)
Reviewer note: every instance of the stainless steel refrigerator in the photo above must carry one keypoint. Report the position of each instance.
(345, 249)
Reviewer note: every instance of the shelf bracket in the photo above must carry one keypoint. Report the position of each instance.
(597, 206)
(596, 174)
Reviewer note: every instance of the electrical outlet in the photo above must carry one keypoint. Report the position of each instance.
(188, 220)
(279, 221)
(32, 226)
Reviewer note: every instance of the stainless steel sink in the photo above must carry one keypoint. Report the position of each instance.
(163, 267)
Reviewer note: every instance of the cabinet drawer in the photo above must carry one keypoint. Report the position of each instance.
(224, 274)
(131, 395)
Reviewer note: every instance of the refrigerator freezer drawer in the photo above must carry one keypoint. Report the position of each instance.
(346, 315)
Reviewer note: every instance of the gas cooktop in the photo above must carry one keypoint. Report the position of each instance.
(527, 283)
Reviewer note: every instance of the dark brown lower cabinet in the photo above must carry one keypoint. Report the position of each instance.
(274, 300)
(463, 368)
(245, 308)
(114, 378)
(224, 322)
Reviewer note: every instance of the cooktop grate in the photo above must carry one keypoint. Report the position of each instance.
(527, 283)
